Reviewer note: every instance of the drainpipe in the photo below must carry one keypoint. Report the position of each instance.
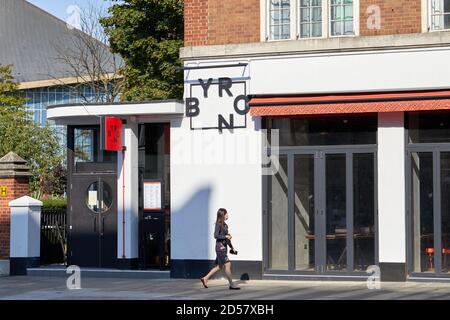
(123, 202)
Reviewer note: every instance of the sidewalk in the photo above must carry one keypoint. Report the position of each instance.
(49, 288)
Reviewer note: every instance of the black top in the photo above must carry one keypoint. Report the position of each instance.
(220, 232)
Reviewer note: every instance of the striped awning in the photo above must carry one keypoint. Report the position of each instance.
(349, 103)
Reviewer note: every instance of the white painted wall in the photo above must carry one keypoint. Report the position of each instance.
(210, 170)
(131, 172)
(391, 187)
(357, 71)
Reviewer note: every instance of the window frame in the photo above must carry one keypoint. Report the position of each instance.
(428, 6)
(267, 32)
(324, 22)
(355, 21)
(295, 24)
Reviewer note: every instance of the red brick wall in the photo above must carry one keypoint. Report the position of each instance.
(16, 189)
(397, 17)
(195, 22)
(210, 22)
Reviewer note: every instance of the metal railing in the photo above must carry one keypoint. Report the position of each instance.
(53, 236)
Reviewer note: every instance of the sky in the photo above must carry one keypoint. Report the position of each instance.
(61, 8)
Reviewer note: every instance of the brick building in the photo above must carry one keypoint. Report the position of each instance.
(358, 90)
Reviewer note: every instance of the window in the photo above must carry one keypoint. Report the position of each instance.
(305, 19)
(310, 18)
(341, 17)
(280, 19)
(440, 14)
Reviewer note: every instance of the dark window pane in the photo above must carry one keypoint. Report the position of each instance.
(364, 210)
(426, 127)
(336, 212)
(341, 130)
(445, 210)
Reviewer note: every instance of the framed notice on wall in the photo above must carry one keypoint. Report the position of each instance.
(153, 191)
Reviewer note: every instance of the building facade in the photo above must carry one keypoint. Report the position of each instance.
(322, 127)
(356, 93)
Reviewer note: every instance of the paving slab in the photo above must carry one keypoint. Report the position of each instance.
(54, 288)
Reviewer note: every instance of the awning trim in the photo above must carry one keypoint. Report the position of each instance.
(350, 103)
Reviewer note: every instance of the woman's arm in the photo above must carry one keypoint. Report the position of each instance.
(218, 233)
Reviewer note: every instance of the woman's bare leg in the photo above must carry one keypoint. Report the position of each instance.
(211, 273)
(228, 273)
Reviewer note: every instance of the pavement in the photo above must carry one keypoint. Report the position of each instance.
(54, 288)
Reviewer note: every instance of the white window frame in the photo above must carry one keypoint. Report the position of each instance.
(355, 21)
(324, 22)
(427, 20)
(265, 23)
(295, 21)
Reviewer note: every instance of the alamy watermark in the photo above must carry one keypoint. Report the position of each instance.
(373, 17)
(373, 281)
(74, 280)
(74, 19)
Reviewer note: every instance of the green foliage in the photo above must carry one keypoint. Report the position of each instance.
(148, 35)
(55, 203)
(19, 133)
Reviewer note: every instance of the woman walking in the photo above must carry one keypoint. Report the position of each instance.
(222, 242)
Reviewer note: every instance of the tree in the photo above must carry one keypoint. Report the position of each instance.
(148, 35)
(88, 59)
(19, 133)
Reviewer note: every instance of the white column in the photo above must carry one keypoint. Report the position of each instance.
(391, 188)
(127, 195)
(25, 230)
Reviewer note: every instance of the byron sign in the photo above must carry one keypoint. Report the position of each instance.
(217, 104)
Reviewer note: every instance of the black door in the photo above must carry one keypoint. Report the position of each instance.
(93, 221)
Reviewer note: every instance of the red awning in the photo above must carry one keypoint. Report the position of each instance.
(350, 103)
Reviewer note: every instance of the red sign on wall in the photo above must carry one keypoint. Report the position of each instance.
(113, 134)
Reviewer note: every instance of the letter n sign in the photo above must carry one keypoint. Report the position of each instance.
(112, 133)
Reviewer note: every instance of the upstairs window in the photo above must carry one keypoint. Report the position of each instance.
(311, 18)
(341, 17)
(306, 19)
(280, 19)
(440, 14)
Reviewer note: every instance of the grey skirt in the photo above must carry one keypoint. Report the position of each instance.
(221, 254)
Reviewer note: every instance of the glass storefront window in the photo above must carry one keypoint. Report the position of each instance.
(422, 208)
(428, 127)
(326, 130)
(278, 220)
(304, 212)
(363, 210)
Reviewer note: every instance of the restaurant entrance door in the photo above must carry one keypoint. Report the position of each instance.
(322, 212)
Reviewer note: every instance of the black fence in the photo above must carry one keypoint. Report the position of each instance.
(53, 235)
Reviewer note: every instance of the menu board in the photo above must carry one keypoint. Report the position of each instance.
(153, 195)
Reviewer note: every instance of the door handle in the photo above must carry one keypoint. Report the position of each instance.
(95, 224)
(103, 225)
